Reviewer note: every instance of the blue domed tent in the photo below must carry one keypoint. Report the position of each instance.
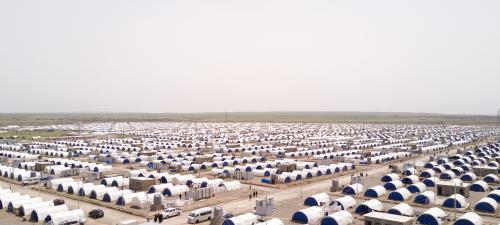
(487, 205)
(432, 216)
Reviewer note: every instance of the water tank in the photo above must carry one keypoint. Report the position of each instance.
(218, 216)
(157, 199)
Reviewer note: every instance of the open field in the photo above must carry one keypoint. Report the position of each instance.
(329, 117)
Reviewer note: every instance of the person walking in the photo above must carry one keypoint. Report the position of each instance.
(249, 197)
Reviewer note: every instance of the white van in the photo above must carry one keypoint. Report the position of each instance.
(200, 215)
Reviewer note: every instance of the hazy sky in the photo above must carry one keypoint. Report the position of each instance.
(203, 56)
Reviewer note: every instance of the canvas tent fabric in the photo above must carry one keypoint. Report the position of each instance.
(311, 215)
(455, 201)
(401, 194)
(38, 215)
(369, 206)
(402, 209)
(338, 218)
(245, 219)
(495, 194)
(345, 202)
(469, 218)
(425, 198)
(317, 200)
(417, 187)
(393, 185)
(410, 179)
(353, 189)
(432, 216)
(58, 218)
(390, 177)
(487, 205)
(375, 192)
(479, 186)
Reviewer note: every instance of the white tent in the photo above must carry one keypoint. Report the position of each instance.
(375, 191)
(99, 193)
(345, 202)
(317, 200)
(54, 183)
(5, 200)
(245, 219)
(159, 188)
(402, 209)
(113, 195)
(432, 216)
(368, 206)
(231, 185)
(86, 189)
(311, 215)
(338, 218)
(426, 197)
(176, 190)
(455, 201)
(469, 218)
(63, 187)
(417, 187)
(73, 216)
(39, 214)
(16, 203)
(141, 200)
(353, 189)
(182, 179)
(26, 209)
(273, 221)
(127, 198)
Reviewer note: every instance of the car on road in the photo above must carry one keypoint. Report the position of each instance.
(96, 214)
(170, 212)
(30, 181)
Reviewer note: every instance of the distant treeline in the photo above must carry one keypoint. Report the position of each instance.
(310, 117)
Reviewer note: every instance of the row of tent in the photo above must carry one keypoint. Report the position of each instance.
(18, 174)
(36, 210)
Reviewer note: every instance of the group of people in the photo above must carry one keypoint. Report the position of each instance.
(158, 218)
(254, 194)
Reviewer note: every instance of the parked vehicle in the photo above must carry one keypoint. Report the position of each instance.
(96, 214)
(170, 212)
(31, 181)
(200, 215)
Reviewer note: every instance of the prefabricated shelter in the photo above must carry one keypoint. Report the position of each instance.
(99, 193)
(231, 185)
(417, 187)
(338, 218)
(375, 192)
(353, 189)
(68, 217)
(479, 186)
(39, 214)
(369, 206)
(159, 188)
(455, 201)
(112, 196)
(487, 205)
(54, 183)
(432, 216)
(431, 181)
(393, 185)
(428, 173)
(410, 179)
(16, 203)
(87, 189)
(469, 218)
(311, 215)
(401, 194)
(126, 199)
(410, 171)
(175, 190)
(317, 200)
(447, 188)
(26, 209)
(426, 198)
(140, 201)
(469, 176)
(491, 178)
(402, 209)
(386, 218)
(447, 175)
(244, 219)
(273, 221)
(390, 177)
(4, 202)
(495, 194)
(345, 202)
